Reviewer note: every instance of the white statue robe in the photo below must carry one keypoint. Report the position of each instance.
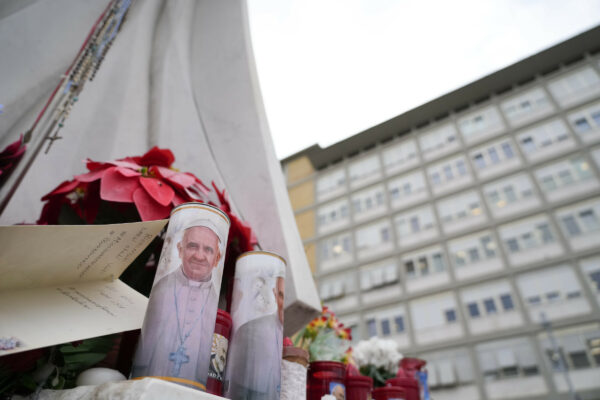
(160, 338)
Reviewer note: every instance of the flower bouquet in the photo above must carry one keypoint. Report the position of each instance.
(325, 338)
(378, 359)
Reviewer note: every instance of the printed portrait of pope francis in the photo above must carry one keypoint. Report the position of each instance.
(177, 333)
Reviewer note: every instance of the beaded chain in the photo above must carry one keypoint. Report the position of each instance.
(86, 65)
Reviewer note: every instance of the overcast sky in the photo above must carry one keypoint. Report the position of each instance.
(329, 69)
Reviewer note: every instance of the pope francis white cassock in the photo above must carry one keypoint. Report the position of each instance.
(177, 333)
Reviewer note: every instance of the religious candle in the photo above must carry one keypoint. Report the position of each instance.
(254, 360)
(177, 334)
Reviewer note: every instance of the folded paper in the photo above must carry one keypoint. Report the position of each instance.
(59, 282)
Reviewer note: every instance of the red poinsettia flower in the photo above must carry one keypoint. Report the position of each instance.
(10, 156)
(149, 182)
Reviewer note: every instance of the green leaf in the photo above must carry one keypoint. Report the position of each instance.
(83, 361)
(27, 382)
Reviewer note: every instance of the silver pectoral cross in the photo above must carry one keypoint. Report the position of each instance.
(178, 357)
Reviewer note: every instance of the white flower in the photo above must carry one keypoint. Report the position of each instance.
(382, 353)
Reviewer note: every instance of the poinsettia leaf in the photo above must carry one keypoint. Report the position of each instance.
(95, 165)
(126, 164)
(90, 176)
(156, 156)
(178, 178)
(116, 187)
(128, 172)
(65, 187)
(158, 190)
(148, 208)
(177, 200)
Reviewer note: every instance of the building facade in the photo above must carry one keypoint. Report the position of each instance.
(468, 229)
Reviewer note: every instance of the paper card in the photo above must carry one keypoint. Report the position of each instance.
(59, 282)
(50, 255)
(41, 317)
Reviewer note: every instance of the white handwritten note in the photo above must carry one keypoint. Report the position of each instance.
(59, 282)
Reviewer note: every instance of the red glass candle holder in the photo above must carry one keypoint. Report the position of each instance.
(214, 382)
(410, 386)
(358, 387)
(325, 377)
(389, 393)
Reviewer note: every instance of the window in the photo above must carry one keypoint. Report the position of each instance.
(460, 166)
(368, 202)
(528, 145)
(488, 246)
(494, 157)
(331, 183)
(438, 263)
(508, 150)
(371, 327)
(534, 300)
(423, 266)
(364, 170)
(530, 370)
(473, 255)
(582, 125)
(549, 135)
(589, 219)
(545, 233)
(385, 327)
(450, 315)
(507, 302)
(513, 245)
(575, 86)
(333, 214)
(442, 174)
(335, 247)
(373, 236)
(479, 161)
(415, 221)
(414, 224)
(423, 263)
(490, 306)
(526, 106)
(571, 225)
(579, 359)
(595, 277)
(480, 124)
(439, 141)
(563, 174)
(494, 154)
(377, 276)
(410, 268)
(462, 207)
(596, 117)
(473, 310)
(399, 321)
(510, 195)
(400, 156)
